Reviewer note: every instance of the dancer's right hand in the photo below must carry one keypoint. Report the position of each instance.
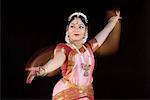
(33, 71)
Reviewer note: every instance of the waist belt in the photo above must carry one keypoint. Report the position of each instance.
(81, 89)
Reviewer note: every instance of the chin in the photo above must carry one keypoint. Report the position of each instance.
(77, 39)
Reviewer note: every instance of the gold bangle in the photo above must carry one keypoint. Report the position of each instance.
(44, 74)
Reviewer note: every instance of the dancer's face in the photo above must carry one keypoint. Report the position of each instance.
(77, 30)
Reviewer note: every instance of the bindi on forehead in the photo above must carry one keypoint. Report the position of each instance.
(77, 21)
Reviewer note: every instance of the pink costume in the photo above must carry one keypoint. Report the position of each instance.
(74, 85)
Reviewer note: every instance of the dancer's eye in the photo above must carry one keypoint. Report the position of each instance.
(81, 27)
(72, 26)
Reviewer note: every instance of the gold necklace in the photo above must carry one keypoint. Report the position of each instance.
(84, 66)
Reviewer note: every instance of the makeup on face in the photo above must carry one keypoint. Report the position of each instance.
(77, 25)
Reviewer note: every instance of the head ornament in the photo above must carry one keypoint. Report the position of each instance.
(78, 14)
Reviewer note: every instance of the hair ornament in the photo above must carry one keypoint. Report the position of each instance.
(78, 14)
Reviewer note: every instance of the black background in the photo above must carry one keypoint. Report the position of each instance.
(29, 25)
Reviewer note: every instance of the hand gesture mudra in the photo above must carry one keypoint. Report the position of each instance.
(118, 14)
(111, 14)
(33, 72)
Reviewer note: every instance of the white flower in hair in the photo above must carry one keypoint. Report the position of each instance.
(78, 14)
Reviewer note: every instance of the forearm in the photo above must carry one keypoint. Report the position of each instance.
(111, 44)
(102, 35)
(53, 64)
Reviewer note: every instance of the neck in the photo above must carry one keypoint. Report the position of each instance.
(78, 44)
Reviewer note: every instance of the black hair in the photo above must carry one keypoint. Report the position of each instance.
(81, 17)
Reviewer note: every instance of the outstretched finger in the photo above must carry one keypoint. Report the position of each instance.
(30, 78)
(118, 12)
(32, 69)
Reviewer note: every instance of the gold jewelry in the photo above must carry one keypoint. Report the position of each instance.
(39, 73)
(45, 72)
(84, 66)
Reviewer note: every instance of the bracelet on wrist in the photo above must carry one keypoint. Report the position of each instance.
(45, 72)
(42, 72)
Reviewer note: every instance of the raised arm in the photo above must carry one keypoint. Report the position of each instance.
(111, 44)
(101, 37)
(50, 66)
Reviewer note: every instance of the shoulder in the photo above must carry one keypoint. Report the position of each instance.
(64, 47)
(92, 44)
